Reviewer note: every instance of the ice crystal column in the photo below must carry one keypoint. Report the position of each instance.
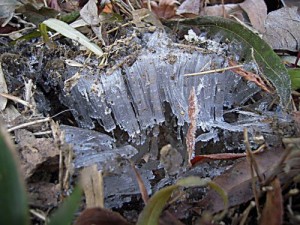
(133, 96)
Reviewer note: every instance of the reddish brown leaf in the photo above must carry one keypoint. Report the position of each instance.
(192, 111)
(237, 181)
(141, 184)
(273, 210)
(165, 9)
(100, 216)
(219, 156)
(250, 77)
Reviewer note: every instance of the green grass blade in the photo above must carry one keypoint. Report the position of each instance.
(65, 213)
(13, 202)
(151, 212)
(295, 78)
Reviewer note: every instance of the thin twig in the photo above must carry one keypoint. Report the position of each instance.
(246, 213)
(42, 133)
(38, 215)
(213, 71)
(16, 99)
(47, 119)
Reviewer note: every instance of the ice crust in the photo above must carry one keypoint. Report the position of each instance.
(91, 147)
(133, 96)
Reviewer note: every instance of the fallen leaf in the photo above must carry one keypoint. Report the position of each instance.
(237, 181)
(141, 17)
(100, 216)
(7, 9)
(218, 10)
(141, 184)
(165, 9)
(189, 7)
(257, 12)
(89, 13)
(54, 5)
(218, 156)
(283, 29)
(272, 213)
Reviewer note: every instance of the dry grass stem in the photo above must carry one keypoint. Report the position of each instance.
(213, 71)
(23, 125)
(16, 99)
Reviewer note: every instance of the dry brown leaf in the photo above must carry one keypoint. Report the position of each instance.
(217, 10)
(283, 29)
(141, 17)
(165, 9)
(100, 216)
(218, 156)
(141, 184)
(89, 13)
(54, 5)
(273, 210)
(250, 77)
(189, 8)
(257, 13)
(237, 181)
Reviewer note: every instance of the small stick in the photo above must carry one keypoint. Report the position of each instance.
(213, 71)
(29, 124)
(16, 99)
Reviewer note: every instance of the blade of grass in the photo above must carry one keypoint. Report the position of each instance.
(13, 201)
(65, 213)
(151, 212)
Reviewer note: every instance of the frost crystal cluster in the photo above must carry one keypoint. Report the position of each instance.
(134, 95)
